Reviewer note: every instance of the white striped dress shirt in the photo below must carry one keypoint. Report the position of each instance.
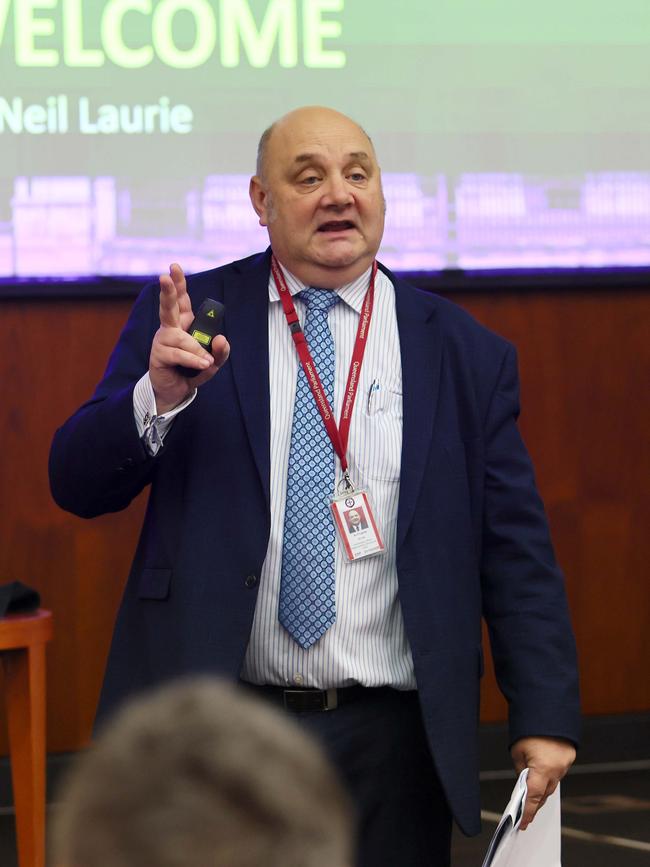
(367, 644)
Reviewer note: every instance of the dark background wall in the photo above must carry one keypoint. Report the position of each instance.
(584, 369)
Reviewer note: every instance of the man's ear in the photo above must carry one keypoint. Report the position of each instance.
(259, 199)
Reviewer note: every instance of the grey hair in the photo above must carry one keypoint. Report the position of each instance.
(199, 773)
(262, 148)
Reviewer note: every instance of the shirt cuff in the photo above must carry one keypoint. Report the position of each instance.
(152, 427)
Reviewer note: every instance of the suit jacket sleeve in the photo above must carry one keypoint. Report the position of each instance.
(97, 462)
(524, 599)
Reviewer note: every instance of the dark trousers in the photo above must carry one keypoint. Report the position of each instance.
(377, 743)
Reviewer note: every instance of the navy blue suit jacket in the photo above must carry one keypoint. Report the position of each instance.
(472, 537)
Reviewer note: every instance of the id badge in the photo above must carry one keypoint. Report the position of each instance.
(356, 525)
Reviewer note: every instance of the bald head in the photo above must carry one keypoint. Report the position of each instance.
(310, 114)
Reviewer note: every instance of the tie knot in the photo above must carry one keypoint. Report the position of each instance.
(318, 300)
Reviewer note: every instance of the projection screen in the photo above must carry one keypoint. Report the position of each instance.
(510, 134)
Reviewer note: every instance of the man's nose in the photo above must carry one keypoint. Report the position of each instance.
(337, 192)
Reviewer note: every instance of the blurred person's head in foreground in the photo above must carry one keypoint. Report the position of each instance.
(201, 774)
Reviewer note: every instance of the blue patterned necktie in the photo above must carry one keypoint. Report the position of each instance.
(307, 608)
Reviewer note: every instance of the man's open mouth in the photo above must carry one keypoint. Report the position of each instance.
(336, 226)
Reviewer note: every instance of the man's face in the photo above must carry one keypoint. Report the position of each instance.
(320, 197)
(354, 517)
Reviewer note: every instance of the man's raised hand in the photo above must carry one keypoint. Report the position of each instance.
(172, 346)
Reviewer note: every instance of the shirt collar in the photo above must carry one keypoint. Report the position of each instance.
(352, 293)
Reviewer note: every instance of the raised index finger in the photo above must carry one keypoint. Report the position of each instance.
(178, 278)
(169, 308)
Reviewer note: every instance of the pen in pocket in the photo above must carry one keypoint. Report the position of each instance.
(374, 388)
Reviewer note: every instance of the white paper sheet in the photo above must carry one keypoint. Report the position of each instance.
(539, 845)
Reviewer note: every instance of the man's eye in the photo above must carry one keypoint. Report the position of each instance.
(310, 180)
(357, 176)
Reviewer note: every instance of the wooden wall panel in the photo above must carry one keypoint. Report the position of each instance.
(54, 353)
(584, 362)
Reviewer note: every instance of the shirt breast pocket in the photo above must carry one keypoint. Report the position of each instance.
(378, 440)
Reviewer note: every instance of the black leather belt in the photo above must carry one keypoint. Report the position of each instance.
(305, 700)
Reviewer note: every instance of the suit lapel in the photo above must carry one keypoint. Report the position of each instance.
(421, 353)
(247, 300)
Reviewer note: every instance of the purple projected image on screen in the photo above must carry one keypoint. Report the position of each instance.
(80, 226)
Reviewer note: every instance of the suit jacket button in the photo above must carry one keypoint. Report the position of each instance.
(250, 581)
(126, 464)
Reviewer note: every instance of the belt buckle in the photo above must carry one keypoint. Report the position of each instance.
(331, 699)
(297, 700)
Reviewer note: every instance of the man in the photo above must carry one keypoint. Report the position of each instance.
(390, 644)
(197, 774)
(355, 522)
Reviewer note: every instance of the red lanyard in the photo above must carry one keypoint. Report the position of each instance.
(338, 434)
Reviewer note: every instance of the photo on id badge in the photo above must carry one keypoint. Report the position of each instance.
(356, 525)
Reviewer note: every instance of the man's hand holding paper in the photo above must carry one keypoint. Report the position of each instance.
(548, 760)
